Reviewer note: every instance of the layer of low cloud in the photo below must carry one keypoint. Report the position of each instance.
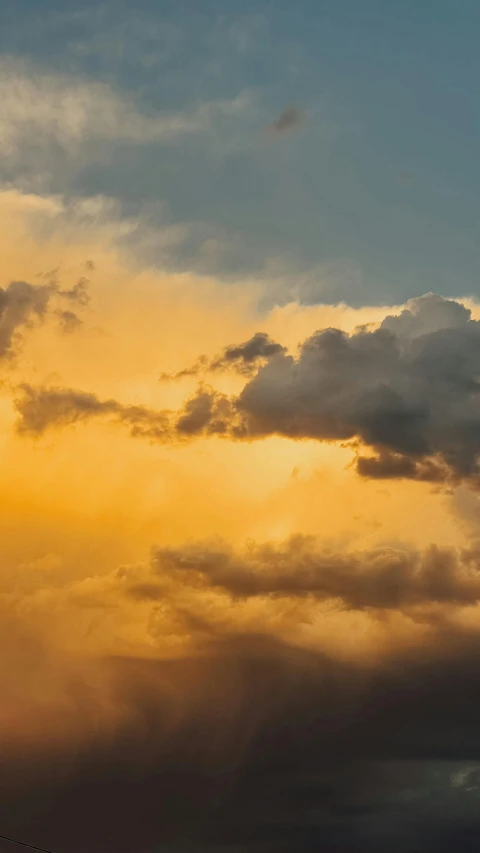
(384, 578)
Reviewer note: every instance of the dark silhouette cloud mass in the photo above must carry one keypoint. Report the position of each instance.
(407, 390)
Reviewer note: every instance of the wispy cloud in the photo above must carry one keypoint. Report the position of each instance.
(244, 358)
(42, 109)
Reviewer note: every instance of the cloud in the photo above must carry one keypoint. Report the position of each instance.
(20, 304)
(58, 113)
(69, 321)
(206, 412)
(395, 466)
(41, 408)
(23, 304)
(425, 315)
(78, 294)
(236, 737)
(292, 118)
(252, 744)
(244, 358)
(384, 578)
(407, 390)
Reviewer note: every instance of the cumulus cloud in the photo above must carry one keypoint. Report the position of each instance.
(426, 314)
(408, 390)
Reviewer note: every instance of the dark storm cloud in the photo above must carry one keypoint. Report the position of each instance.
(383, 578)
(258, 746)
(243, 358)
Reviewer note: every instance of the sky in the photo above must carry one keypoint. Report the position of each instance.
(239, 426)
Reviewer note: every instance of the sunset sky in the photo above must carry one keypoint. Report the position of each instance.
(240, 426)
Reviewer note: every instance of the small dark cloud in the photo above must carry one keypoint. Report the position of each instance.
(24, 305)
(78, 293)
(69, 321)
(21, 304)
(292, 118)
(200, 367)
(244, 358)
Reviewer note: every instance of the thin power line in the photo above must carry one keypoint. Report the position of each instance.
(24, 844)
